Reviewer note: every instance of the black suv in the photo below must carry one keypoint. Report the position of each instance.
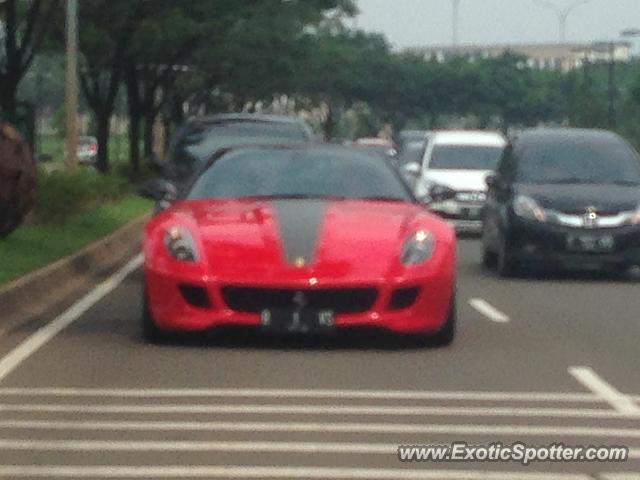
(564, 198)
(201, 138)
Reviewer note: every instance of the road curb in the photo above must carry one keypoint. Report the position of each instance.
(38, 291)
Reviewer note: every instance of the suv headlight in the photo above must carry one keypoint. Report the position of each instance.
(418, 248)
(180, 244)
(527, 207)
(441, 193)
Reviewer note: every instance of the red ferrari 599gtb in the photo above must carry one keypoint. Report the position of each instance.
(304, 239)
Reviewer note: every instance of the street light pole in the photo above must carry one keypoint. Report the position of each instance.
(456, 22)
(71, 84)
(562, 14)
(610, 49)
(613, 89)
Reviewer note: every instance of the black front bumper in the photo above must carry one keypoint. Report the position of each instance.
(549, 245)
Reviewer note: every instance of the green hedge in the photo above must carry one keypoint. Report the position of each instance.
(61, 194)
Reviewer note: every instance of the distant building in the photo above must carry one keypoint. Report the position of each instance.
(553, 56)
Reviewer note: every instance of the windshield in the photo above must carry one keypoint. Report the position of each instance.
(465, 157)
(299, 174)
(412, 153)
(611, 162)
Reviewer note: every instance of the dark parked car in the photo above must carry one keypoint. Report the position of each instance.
(199, 139)
(564, 198)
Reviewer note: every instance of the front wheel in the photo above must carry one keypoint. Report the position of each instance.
(150, 331)
(447, 333)
(507, 266)
(489, 259)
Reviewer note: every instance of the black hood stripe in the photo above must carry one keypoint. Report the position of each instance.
(300, 224)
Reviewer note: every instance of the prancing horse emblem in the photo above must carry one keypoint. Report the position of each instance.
(590, 218)
(300, 262)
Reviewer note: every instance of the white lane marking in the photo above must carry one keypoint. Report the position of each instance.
(193, 446)
(619, 476)
(29, 346)
(368, 410)
(288, 393)
(325, 427)
(272, 472)
(488, 310)
(619, 401)
(211, 446)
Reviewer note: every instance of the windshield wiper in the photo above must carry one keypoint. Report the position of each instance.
(625, 183)
(381, 198)
(572, 181)
(296, 196)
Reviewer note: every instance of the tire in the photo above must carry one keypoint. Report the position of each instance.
(506, 265)
(447, 333)
(489, 259)
(150, 331)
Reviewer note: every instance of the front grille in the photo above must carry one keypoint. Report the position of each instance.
(256, 300)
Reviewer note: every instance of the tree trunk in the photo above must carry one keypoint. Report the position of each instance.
(168, 133)
(103, 133)
(8, 96)
(134, 141)
(149, 120)
(135, 120)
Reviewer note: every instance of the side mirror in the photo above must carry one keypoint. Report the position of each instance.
(491, 180)
(159, 190)
(412, 169)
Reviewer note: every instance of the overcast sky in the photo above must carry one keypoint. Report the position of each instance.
(428, 22)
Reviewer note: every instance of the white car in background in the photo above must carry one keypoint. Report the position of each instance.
(451, 177)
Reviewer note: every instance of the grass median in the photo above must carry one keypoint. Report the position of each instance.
(72, 211)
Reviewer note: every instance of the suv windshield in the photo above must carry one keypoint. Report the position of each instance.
(465, 157)
(575, 162)
(280, 173)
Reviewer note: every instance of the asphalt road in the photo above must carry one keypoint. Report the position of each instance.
(537, 360)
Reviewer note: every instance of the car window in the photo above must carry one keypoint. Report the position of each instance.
(563, 161)
(412, 153)
(465, 157)
(286, 173)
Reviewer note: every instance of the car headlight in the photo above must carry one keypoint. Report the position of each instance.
(440, 193)
(527, 207)
(418, 248)
(180, 244)
(635, 217)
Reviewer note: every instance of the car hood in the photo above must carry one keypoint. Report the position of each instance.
(459, 180)
(260, 240)
(577, 198)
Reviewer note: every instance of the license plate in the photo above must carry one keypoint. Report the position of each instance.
(472, 197)
(470, 213)
(298, 321)
(590, 243)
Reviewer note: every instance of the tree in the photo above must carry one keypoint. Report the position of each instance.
(106, 31)
(23, 27)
